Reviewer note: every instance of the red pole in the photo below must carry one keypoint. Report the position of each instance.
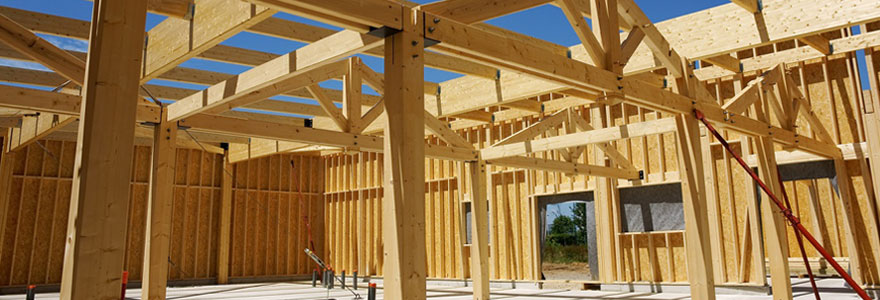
(800, 240)
(786, 212)
(124, 283)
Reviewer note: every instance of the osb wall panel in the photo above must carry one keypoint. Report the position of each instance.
(195, 215)
(36, 211)
(277, 212)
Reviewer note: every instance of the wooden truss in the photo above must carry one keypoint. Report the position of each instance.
(503, 69)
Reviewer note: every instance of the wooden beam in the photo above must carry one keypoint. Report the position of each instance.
(572, 11)
(360, 16)
(607, 148)
(36, 127)
(351, 95)
(535, 129)
(479, 230)
(224, 236)
(697, 240)
(579, 139)
(181, 9)
(745, 98)
(476, 115)
(533, 163)
(752, 6)
(526, 105)
(329, 108)
(306, 135)
(58, 103)
(577, 75)
(403, 207)
(471, 11)
(632, 14)
(95, 243)
(630, 44)
(818, 42)
(174, 41)
(726, 62)
(20, 38)
(373, 113)
(159, 210)
(442, 130)
(806, 110)
(307, 65)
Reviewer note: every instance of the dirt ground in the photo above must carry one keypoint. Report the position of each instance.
(570, 271)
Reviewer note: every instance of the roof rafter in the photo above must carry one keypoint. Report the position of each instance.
(275, 76)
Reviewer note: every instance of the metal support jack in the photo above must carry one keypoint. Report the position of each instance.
(320, 263)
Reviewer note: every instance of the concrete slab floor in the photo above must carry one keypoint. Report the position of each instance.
(831, 289)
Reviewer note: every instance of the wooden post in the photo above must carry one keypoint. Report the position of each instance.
(7, 160)
(605, 197)
(158, 231)
(479, 230)
(775, 233)
(95, 250)
(403, 222)
(852, 232)
(758, 273)
(696, 233)
(225, 221)
(351, 103)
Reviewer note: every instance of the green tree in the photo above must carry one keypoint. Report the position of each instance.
(580, 221)
(563, 231)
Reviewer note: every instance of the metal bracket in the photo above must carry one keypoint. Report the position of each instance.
(382, 32)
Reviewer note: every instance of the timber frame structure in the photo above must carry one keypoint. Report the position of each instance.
(384, 181)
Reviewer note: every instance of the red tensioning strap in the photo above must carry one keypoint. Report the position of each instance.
(793, 220)
(800, 240)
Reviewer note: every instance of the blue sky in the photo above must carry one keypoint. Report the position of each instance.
(545, 22)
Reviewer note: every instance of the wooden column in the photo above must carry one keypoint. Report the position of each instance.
(158, 231)
(403, 221)
(775, 233)
(351, 104)
(606, 197)
(696, 221)
(850, 213)
(95, 250)
(7, 160)
(872, 135)
(225, 221)
(479, 230)
(755, 240)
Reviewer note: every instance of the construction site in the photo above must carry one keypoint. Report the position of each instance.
(306, 149)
